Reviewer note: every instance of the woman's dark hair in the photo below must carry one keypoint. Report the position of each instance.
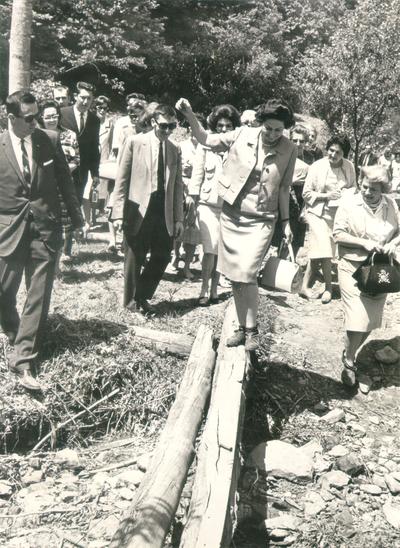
(48, 104)
(342, 140)
(277, 110)
(102, 100)
(223, 111)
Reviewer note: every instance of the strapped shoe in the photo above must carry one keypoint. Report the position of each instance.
(349, 371)
(238, 338)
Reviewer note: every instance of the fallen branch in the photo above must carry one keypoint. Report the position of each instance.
(174, 343)
(122, 464)
(71, 419)
(41, 513)
(148, 521)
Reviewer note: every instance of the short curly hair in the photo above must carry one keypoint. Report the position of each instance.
(277, 109)
(223, 111)
(342, 140)
(377, 175)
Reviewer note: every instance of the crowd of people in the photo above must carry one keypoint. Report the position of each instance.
(237, 184)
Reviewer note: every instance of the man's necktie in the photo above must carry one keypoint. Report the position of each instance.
(81, 122)
(160, 169)
(25, 164)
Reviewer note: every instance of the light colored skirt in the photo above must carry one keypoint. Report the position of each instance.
(208, 218)
(243, 243)
(362, 312)
(321, 244)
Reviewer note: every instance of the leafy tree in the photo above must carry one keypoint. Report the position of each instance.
(353, 81)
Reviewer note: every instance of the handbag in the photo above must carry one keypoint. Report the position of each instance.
(282, 274)
(378, 274)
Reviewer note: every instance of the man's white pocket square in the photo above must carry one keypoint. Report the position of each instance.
(47, 163)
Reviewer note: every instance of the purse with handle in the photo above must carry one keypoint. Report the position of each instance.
(378, 274)
(282, 274)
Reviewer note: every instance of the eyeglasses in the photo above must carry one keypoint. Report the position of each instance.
(102, 107)
(164, 126)
(28, 118)
(51, 117)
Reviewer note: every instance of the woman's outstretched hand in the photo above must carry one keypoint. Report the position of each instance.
(183, 106)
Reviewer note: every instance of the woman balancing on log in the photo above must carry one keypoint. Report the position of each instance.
(254, 186)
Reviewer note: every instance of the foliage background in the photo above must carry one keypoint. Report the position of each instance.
(335, 60)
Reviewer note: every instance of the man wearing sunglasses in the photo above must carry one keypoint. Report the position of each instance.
(34, 172)
(148, 205)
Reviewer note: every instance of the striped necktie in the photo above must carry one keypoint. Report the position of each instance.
(25, 164)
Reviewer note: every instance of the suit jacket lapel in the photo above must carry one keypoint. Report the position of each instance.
(9, 152)
(35, 155)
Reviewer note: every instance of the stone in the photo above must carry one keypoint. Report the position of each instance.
(379, 480)
(327, 495)
(364, 383)
(357, 428)
(144, 461)
(393, 484)
(67, 458)
(335, 415)
(391, 465)
(335, 478)
(34, 463)
(283, 521)
(313, 504)
(133, 477)
(371, 489)
(338, 451)
(396, 475)
(311, 448)
(345, 519)
(32, 476)
(5, 488)
(321, 407)
(36, 502)
(282, 460)
(374, 419)
(278, 534)
(392, 514)
(125, 493)
(103, 528)
(349, 464)
(69, 496)
(387, 355)
(321, 464)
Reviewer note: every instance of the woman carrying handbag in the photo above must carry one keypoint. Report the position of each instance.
(365, 222)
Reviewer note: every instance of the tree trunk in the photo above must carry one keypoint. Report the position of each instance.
(20, 46)
(212, 512)
(149, 518)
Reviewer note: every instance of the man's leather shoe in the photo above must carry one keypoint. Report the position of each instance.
(25, 378)
(146, 307)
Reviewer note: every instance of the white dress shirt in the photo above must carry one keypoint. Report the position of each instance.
(16, 144)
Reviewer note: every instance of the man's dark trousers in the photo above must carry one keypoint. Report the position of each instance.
(34, 258)
(141, 279)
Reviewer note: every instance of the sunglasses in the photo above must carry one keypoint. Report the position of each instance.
(164, 126)
(102, 107)
(29, 118)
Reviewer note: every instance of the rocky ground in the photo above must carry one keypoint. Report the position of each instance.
(321, 463)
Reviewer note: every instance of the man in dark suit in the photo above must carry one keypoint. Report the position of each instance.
(148, 204)
(367, 157)
(86, 125)
(33, 174)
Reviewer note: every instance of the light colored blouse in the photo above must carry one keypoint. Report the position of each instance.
(354, 217)
(323, 178)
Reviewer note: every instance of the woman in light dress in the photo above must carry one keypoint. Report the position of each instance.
(366, 221)
(326, 183)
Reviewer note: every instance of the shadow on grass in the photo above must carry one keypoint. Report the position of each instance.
(87, 256)
(181, 307)
(64, 334)
(77, 276)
